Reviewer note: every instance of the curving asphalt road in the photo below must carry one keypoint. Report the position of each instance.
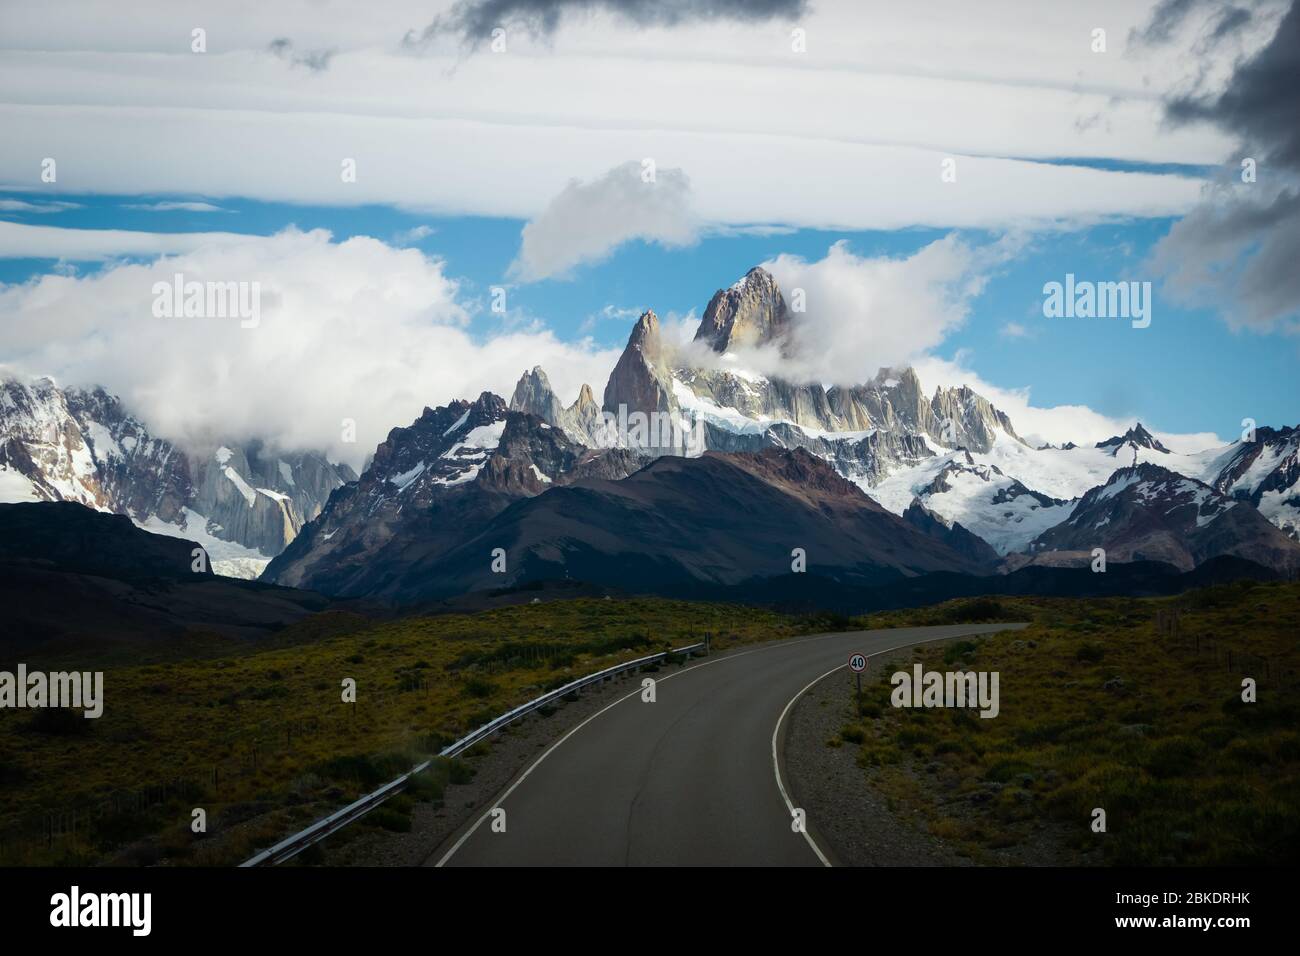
(689, 780)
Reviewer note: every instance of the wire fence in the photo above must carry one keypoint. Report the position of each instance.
(1170, 624)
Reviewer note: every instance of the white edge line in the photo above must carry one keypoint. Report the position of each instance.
(776, 763)
(537, 763)
(717, 660)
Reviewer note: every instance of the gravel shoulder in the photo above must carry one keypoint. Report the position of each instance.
(855, 821)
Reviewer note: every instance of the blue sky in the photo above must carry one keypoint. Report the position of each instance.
(1187, 372)
(773, 135)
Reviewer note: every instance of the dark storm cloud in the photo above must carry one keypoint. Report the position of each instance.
(474, 20)
(1237, 249)
(1169, 15)
(1261, 103)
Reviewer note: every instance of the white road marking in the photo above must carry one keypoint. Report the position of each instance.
(720, 660)
(776, 762)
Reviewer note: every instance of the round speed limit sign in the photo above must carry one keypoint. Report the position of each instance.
(857, 663)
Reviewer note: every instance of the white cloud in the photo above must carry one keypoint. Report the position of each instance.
(866, 313)
(847, 135)
(898, 74)
(514, 169)
(174, 206)
(23, 241)
(610, 312)
(587, 221)
(20, 205)
(407, 237)
(354, 329)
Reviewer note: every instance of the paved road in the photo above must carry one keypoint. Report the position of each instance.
(688, 780)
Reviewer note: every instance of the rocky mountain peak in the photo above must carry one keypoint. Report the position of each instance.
(646, 338)
(641, 380)
(581, 422)
(1135, 437)
(969, 420)
(533, 394)
(750, 313)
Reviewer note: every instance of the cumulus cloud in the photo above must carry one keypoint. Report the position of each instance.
(864, 313)
(1237, 252)
(349, 330)
(474, 20)
(587, 221)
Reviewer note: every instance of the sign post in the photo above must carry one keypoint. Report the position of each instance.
(857, 664)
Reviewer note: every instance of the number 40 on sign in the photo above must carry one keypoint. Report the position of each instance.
(857, 664)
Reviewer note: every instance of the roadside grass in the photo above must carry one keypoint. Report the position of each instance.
(1103, 708)
(260, 738)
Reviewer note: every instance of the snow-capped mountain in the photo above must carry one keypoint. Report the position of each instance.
(952, 452)
(431, 484)
(1149, 513)
(740, 407)
(1264, 472)
(243, 504)
(948, 462)
(1134, 439)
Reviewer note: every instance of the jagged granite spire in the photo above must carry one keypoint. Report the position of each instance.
(641, 380)
(750, 313)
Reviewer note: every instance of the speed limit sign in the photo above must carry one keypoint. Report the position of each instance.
(857, 664)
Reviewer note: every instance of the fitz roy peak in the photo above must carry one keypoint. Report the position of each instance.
(750, 313)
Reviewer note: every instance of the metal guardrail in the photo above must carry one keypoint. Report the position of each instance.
(291, 846)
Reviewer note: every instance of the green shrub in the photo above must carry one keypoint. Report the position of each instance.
(1090, 653)
(476, 686)
(853, 734)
